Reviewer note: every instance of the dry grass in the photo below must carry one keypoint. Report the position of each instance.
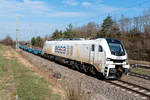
(74, 92)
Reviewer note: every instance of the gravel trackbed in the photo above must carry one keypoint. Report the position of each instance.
(97, 89)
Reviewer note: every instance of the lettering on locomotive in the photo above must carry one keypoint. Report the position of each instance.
(60, 49)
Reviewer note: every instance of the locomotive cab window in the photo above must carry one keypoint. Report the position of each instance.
(93, 47)
(100, 49)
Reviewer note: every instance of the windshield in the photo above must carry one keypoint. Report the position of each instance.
(116, 49)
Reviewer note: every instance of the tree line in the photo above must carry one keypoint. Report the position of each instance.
(110, 27)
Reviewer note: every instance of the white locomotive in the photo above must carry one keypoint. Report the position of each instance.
(105, 55)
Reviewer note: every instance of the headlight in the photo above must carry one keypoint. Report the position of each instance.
(108, 59)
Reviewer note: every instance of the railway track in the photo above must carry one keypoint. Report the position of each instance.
(146, 77)
(140, 66)
(143, 92)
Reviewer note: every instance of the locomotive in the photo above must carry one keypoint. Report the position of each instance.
(104, 55)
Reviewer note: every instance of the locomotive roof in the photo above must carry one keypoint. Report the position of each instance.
(109, 40)
(76, 41)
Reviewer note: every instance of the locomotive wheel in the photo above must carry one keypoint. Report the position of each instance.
(92, 70)
(73, 66)
(77, 66)
(84, 68)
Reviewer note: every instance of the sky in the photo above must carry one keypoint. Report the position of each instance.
(43, 17)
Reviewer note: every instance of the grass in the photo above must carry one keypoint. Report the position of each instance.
(28, 86)
(7, 87)
(140, 71)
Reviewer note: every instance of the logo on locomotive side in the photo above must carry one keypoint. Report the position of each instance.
(60, 49)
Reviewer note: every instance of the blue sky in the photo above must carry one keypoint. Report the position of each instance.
(41, 17)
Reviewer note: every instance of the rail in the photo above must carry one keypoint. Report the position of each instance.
(140, 66)
(146, 77)
(138, 90)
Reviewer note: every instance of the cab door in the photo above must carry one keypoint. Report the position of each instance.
(92, 54)
(101, 58)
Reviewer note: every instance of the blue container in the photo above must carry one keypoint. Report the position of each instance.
(23, 47)
(36, 52)
(30, 50)
(20, 46)
(40, 52)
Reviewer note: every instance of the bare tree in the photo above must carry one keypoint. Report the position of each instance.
(122, 23)
(91, 29)
(8, 41)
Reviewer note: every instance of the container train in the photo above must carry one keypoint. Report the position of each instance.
(103, 55)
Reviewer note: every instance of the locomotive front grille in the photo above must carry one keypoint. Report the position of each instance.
(115, 61)
(118, 61)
